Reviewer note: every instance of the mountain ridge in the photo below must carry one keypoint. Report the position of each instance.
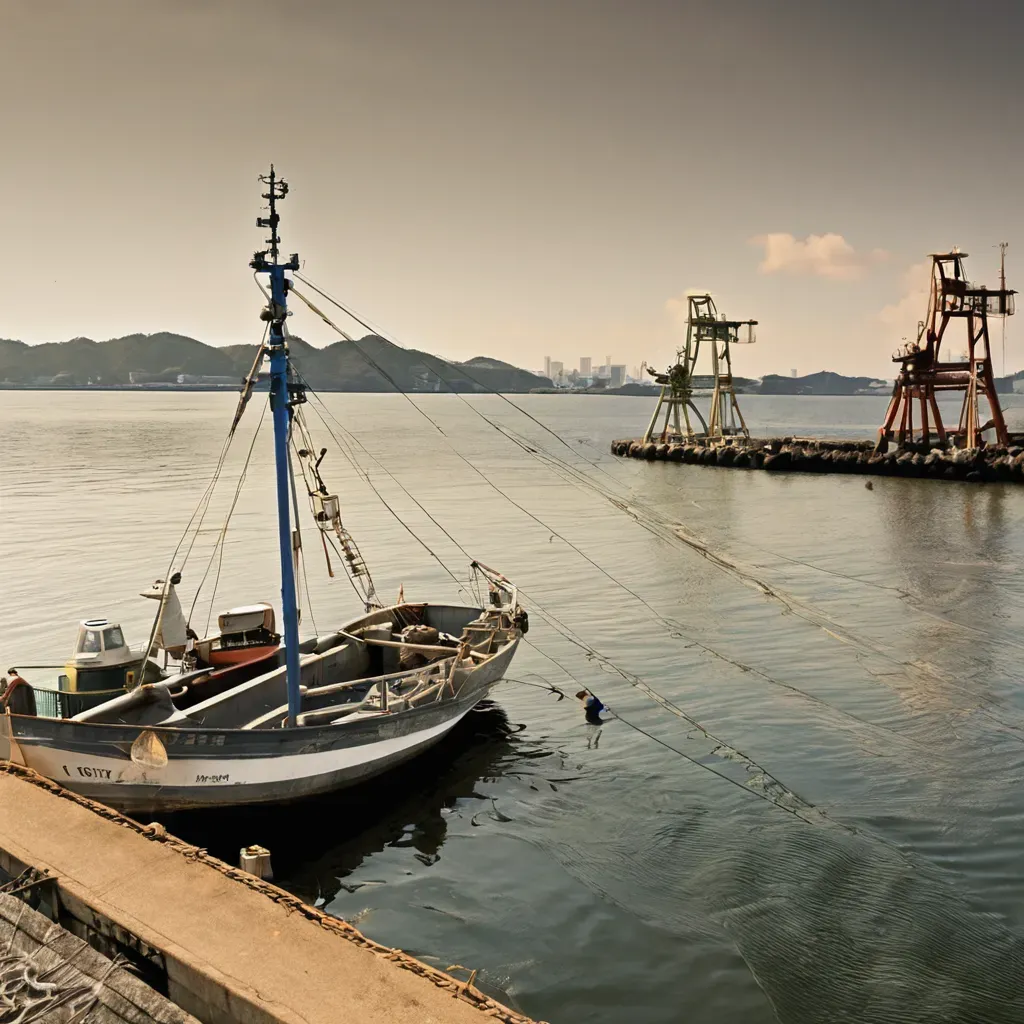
(371, 363)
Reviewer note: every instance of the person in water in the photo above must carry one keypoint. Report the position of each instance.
(592, 707)
(18, 697)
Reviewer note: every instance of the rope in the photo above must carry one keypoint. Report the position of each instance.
(204, 504)
(353, 461)
(362, 582)
(568, 634)
(384, 373)
(641, 515)
(550, 529)
(218, 547)
(545, 458)
(462, 367)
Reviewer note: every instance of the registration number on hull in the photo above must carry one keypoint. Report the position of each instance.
(88, 773)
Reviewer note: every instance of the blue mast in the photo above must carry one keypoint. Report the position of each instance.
(283, 394)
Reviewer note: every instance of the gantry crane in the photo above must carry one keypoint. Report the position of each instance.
(924, 371)
(704, 326)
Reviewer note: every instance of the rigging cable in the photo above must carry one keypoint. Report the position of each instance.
(525, 447)
(548, 457)
(369, 360)
(204, 503)
(248, 383)
(483, 476)
(353, 461)
(592, 653)
(644, 515)
(553, 461)
(219, 545)
(648, 519)
(675, 629)
(366, 324)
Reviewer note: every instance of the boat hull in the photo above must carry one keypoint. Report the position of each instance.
(217, 767)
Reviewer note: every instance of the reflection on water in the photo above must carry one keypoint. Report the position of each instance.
(317, 843)
(950, 548)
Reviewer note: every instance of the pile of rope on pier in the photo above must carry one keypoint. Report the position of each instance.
(41, 980)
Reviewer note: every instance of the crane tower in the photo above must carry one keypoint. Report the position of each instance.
(926, 370)
(704, 326)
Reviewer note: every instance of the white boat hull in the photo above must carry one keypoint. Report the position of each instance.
(222, 782)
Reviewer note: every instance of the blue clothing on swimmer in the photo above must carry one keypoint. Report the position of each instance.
(592, 707)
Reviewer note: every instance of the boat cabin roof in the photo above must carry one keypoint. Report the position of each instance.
(247, 617)
(249, 609)
(97, 637)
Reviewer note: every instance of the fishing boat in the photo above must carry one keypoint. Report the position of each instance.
(244, 718)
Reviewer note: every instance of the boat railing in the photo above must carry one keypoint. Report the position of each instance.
(53, 702)
(49, 703)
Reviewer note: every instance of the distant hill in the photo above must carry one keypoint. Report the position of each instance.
(823, 383)
(364, 365)
(827, 383)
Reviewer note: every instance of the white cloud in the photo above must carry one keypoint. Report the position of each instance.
(827, 255)
(905, 314)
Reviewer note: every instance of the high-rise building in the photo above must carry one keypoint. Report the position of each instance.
(618, 376)
(584, 366)
(792, 373)
(557, 369)
(547, 366)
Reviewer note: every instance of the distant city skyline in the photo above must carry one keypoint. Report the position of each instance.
(513, 180)
(614, 373)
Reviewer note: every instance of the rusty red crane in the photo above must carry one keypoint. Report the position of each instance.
(924, 371)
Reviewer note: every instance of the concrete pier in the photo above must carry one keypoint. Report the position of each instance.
(224, 945)
(816, 455)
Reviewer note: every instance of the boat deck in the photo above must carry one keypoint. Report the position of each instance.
(232, 946)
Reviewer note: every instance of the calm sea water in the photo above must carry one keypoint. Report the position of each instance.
(844, 841)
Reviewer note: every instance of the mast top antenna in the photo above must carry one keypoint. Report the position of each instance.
(277, 188)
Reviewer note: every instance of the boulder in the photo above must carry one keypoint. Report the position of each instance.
(779, 461)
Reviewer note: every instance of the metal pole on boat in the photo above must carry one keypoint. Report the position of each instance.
(281, 400)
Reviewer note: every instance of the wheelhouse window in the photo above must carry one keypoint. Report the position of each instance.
(113, 638)
(91, 642)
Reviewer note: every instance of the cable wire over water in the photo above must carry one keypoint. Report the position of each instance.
(771, 788)
(645, 516)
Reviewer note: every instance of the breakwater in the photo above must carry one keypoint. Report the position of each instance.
(816, 455)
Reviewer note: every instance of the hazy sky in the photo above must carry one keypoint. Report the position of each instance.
(512, 178)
